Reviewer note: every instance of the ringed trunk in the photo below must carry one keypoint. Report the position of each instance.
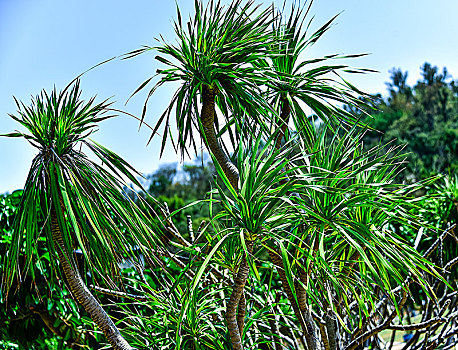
(232, 173)
(82, 293)
(208, 125)
(237, 290)
(241, 313)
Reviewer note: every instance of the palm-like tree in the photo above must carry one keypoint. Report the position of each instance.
(75, 202)
(334, 239)
(296, 84)
(227, 57)
(214, 59)
(244, 64)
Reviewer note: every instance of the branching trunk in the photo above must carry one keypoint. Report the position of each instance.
(384, 325)
(301, 292)
(237, 290)
(82, 293)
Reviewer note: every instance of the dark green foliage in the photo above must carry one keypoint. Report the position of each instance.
(178, 187)
(38, 299)
(424, 118)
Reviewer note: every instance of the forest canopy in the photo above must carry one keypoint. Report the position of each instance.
(423, 117)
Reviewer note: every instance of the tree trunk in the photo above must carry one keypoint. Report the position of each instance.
(82, 293)
(237, 290)
(207, 117)
(305, 311)
(284, 119)
(241, 313)
(235, 322)
(306, 324)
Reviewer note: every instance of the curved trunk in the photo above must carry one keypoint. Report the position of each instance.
(82, 293)
(207, 117)
(237, 290)
(235, 319)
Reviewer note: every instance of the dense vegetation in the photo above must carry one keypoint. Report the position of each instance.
(424, 118)
(299, 231)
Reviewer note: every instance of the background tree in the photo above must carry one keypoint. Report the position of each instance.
(424, 118)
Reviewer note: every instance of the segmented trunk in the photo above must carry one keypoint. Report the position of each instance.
(237, 290)
(235, 323)
(301, 292)
(241, 313)
(208, 124)
(82, 293)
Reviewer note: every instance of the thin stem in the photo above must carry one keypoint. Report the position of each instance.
(416, 326)
(118, 294)
(386, 323)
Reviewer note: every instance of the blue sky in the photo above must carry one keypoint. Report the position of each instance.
(49, 42)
